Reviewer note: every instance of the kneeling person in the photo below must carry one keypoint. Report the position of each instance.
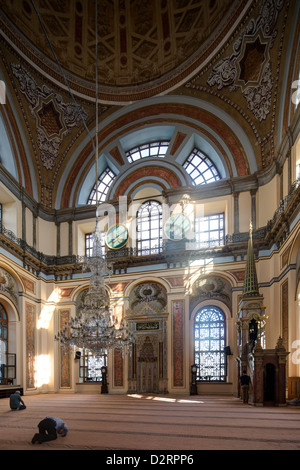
(16, 402)
(49, 427)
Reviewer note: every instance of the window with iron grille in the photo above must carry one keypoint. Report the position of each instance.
(89, 243)
(153, 149)
(149, 228)
(90, 367)
(210, 231)
(103, 184)
(200, 168)
(209, 344)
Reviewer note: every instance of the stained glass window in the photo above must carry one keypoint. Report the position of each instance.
(103, 184)
(209, 341)
(149, 228)
(153, 149)
(200, 168)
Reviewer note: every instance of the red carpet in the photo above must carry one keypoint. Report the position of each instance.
(148, 422)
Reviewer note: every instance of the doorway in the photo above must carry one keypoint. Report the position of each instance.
(147, 374)
(269, 383)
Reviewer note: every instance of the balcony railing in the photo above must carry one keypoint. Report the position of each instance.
(37, 261)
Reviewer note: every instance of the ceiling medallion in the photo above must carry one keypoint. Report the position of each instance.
(249, 67)
(254, 57)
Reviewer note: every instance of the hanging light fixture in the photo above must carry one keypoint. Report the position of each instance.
(95, 327)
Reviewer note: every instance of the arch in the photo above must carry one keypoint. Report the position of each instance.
(14, 334)
(10, 285)
(10, 308)
(78, 294)
(289, 88)
(147, 297)
(227, 276)
(217, 303)
(195, 114)
(142, 279)
(163, 175)
(78, 290)
(3, 329)
(12, 136)
(211, 287)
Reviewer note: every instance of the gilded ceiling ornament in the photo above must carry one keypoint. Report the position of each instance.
(249, 67)
(54, 118)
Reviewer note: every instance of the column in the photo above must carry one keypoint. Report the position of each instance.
(34, 229)
(70, 238)
(236, 212)
(57, 238)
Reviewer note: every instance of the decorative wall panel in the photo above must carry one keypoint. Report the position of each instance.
(118, 368)
(178, 342)
(65, 356)
(30, 315)
(285, 312)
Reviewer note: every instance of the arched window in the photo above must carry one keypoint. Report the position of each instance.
(152, 149)
(200, 168)
(3, 329)
(149, 228)
(209, 343)
(3, 341)
(103, 184)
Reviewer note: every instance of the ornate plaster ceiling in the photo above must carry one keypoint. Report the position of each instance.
(211, 67)
(144, 46)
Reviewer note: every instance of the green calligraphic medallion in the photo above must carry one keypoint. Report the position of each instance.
(177, 227)
(116, 236)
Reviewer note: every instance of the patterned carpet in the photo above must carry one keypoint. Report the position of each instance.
(147, 422)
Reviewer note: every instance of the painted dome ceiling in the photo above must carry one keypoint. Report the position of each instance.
(217, 73)
(144, 46)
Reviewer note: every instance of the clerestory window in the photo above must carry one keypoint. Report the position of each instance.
(153, 149)
(200, 168)
(101, 187)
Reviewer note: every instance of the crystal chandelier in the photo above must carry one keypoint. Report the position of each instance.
(95, 327)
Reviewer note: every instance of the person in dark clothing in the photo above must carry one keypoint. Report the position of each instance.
(16, 402)
(245, 381)
(49, 427)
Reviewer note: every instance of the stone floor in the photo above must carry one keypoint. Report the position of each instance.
(151, 422)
